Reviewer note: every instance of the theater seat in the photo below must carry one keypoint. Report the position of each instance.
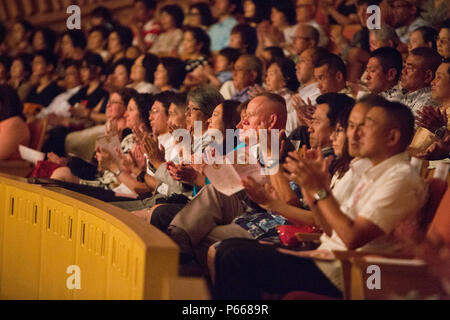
(37, 128)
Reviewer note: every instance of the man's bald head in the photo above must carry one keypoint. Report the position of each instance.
(265, 112)
(305, 37)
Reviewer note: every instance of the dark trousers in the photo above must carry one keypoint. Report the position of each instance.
(245, 269)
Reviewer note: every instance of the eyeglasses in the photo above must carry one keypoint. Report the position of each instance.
(442, 41)
(192, 109)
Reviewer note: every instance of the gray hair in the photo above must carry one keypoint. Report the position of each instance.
(206, 97)
(386, 33)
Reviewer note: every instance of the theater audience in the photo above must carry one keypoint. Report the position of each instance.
(169, 40)
(395, 193)
(13, 129)
(349, 177)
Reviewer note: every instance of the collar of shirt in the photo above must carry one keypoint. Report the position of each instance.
(377, 171)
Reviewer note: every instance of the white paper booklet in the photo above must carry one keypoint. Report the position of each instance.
(227, 178)
(123, 191)
(30, 155)
(110, 143)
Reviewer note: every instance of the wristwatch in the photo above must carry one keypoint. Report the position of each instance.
(320, 195)
(118, 172)
(440, 132)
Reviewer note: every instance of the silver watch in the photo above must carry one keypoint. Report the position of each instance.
(320, 195)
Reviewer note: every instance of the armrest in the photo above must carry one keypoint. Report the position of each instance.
(398, 279)
(352, 254)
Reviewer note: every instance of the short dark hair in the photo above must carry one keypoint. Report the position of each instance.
(335, 64)
(77, 37)
(176, 71)
(248, 35)
(262, 11)
(48, 35)
(150, 4)
(205, 13)
(93, 60)
(275, 52)
(447, 61)
(166, 98)
(389, 58)
(179, 99)
(125, 35)
(6, 61)
(126, 94)
(103, 31)
(144, 102)
(287, 7)
(176, 12)
(445, 24)
(150, 63)
(254, 64)
(26, 60)
(431, 58)
(231, 54)
(318, 54)
(71, 62)
(127, 63)
(201, 37)
(231, 115)
(287, 67)
(399, 115)
(429, 34)
(49, 57)
(339, 104)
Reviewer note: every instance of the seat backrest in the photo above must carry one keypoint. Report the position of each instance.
(440, 225)
(37, 128)
(436, 190)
